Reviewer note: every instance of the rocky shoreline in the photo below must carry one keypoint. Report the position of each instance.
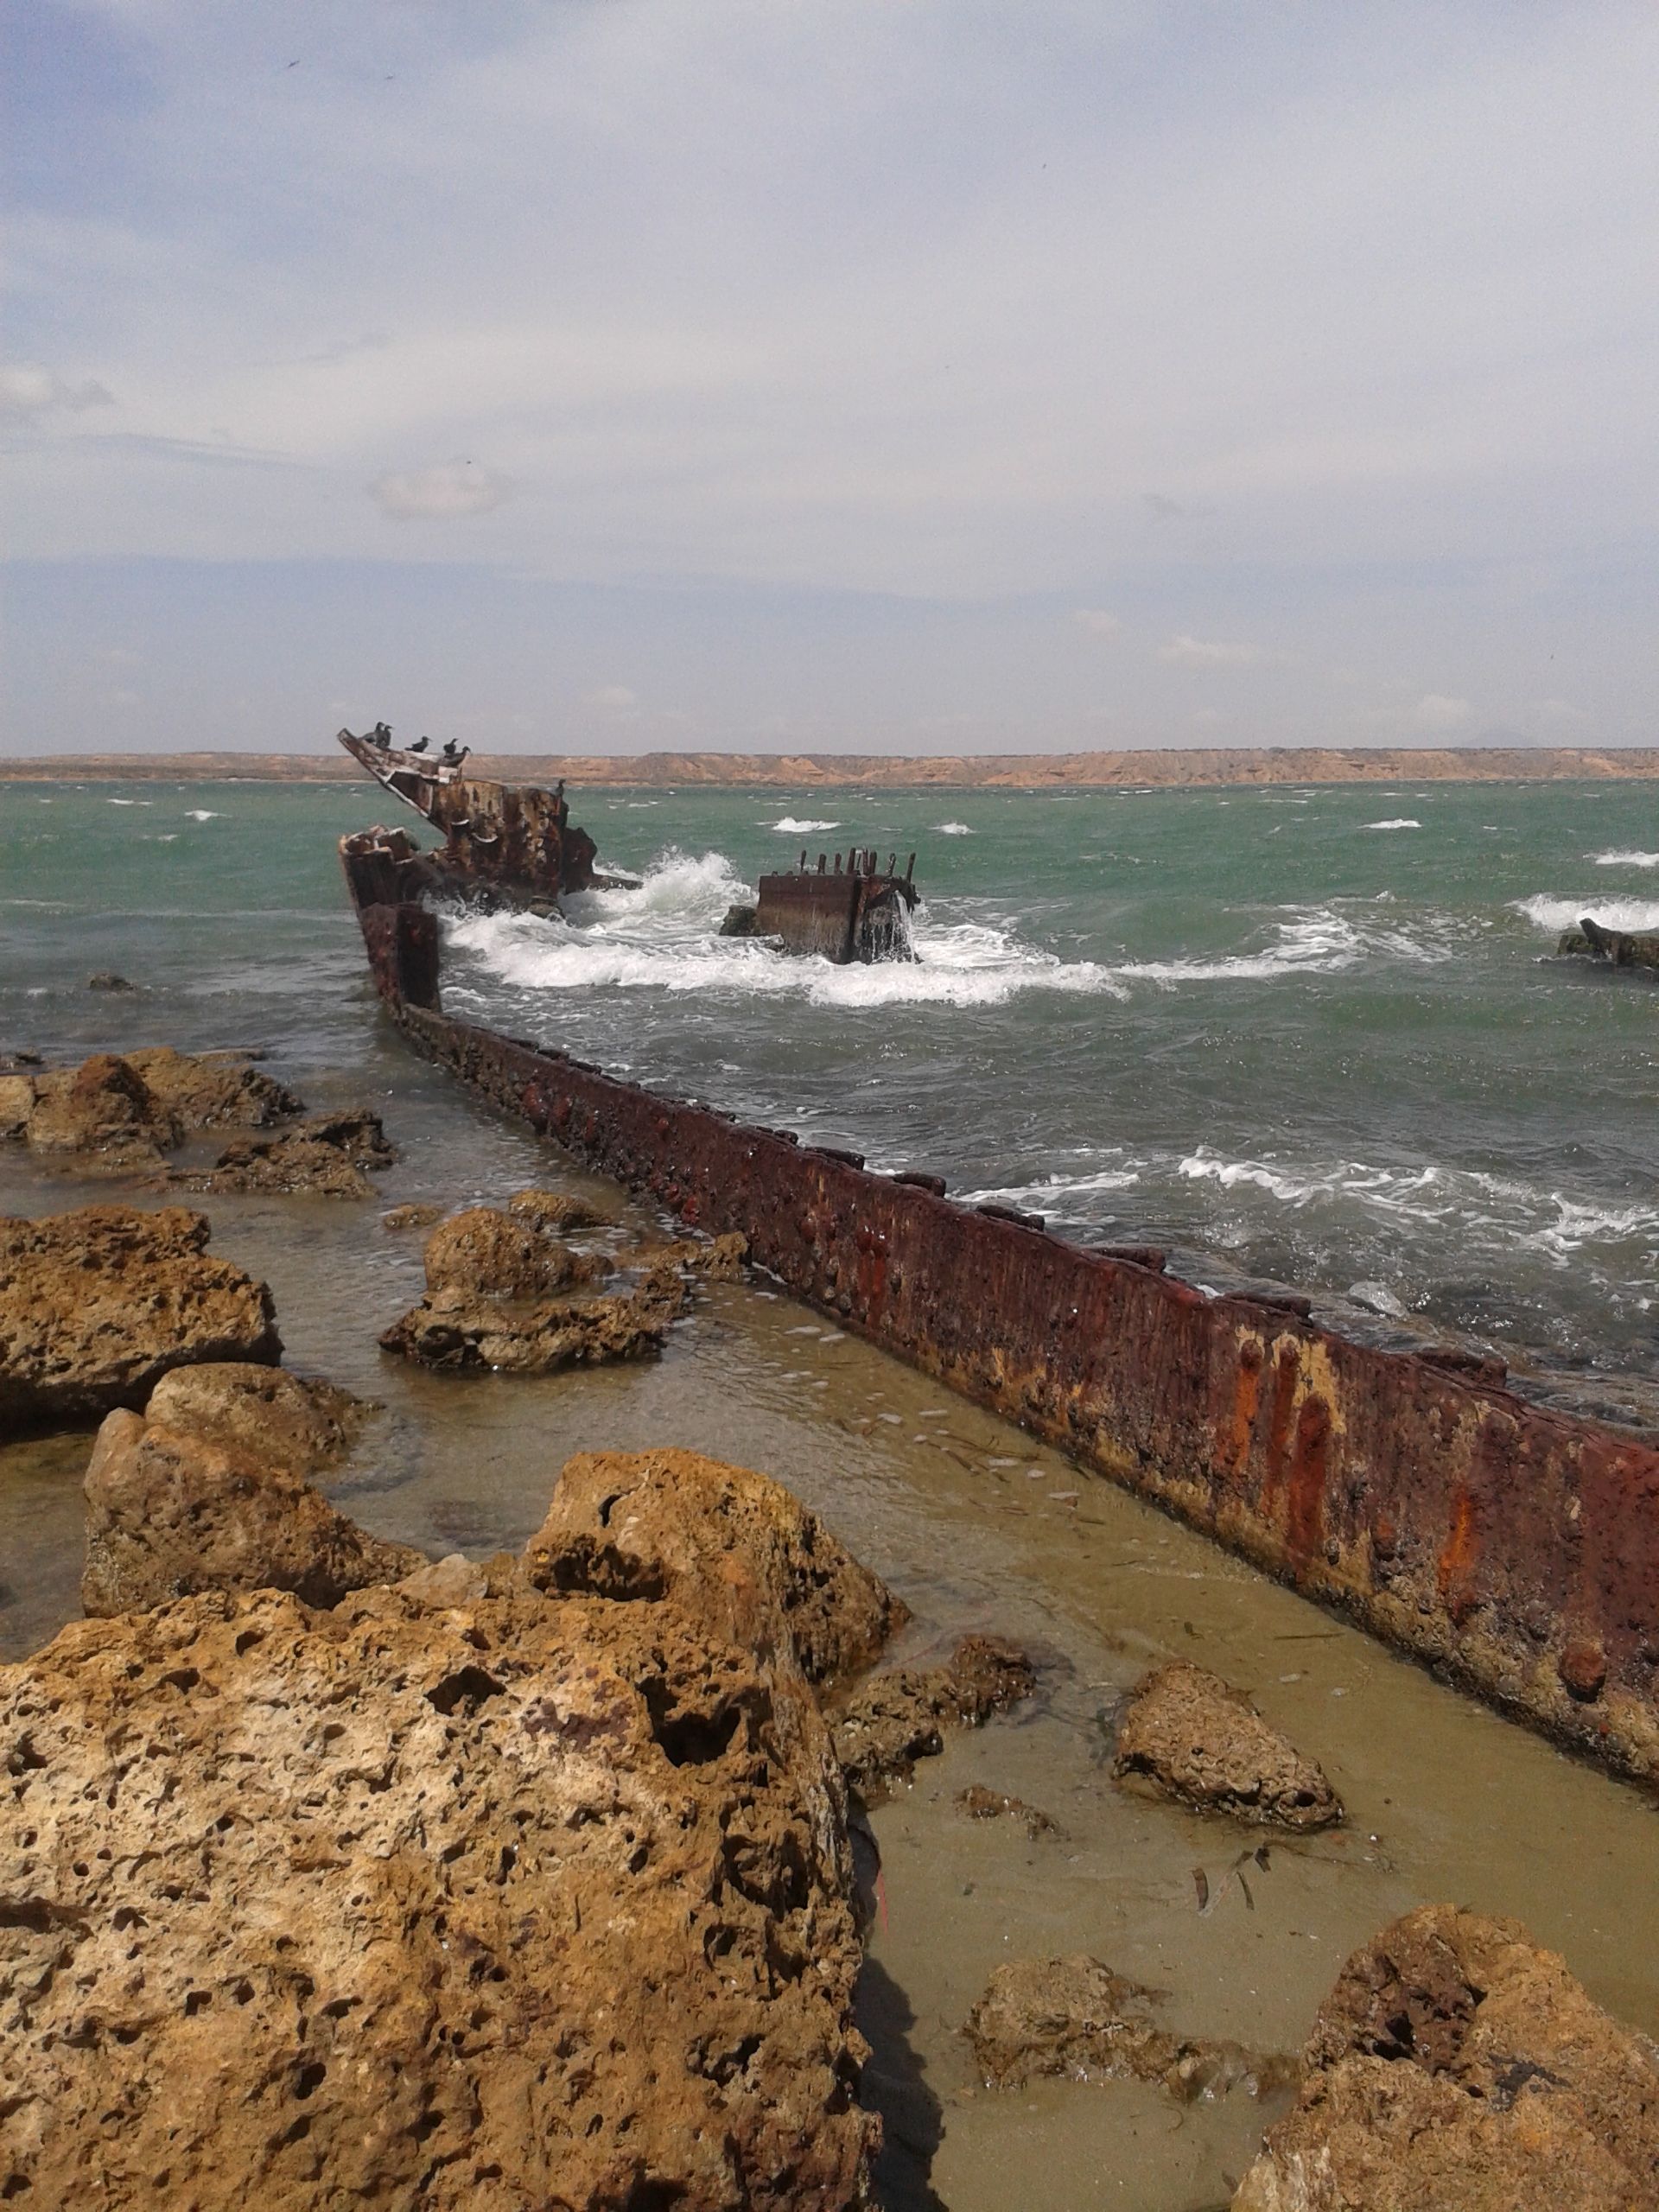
(335, 1871)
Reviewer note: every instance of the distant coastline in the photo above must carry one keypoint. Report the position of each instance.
(1173, 769)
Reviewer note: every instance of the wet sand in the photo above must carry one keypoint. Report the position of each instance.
(975, 1527)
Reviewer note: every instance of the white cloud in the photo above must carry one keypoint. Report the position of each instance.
(28, 388)
(610, 698)
(1435, 711)
(1560, 713)
(1183, 651)
(454, 487)
(1097, 620)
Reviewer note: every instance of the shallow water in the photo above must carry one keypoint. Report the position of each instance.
(975, 1527)
(246, 941)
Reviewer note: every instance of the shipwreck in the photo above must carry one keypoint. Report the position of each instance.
(1512, 1547)
(859, 913)
(1609, 948)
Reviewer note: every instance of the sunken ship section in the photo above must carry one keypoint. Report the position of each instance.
(858, 912)
(1514, 1547)
(511, 843)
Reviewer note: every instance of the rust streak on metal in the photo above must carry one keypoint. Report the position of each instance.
(1515, 1546)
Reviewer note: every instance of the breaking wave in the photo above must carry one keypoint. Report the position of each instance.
(201, 814)
(952, 829)
(791, 828)
(1547, 913)
(1397, 821)
(1626, 860)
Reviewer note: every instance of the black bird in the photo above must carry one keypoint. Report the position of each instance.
(419, 746)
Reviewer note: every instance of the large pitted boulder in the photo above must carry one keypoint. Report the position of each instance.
(484, 1253)
(462, 1895)
(326, 1157)
(1075, 2017)
(1457, 2067)
(1187, 1734)
(732, 1548)
(208, 1491)
(97, 1306)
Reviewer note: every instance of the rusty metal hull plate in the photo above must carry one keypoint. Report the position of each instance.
(1514, 1547)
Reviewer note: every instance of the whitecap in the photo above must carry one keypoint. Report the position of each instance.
(1626, 860)
(201, 814)
(130, 802)
(1547, 913)
(1395, 822)
(791, 828)
(952, 829)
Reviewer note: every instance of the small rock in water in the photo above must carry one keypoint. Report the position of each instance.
(1377, 1297)
(893, 1719)
(1455, 2067)
(107, 980)
(560, 1211)
(416, 1215)
(1187, 1734)
(324, 1157)
(1075, 2017)
(980, 1803)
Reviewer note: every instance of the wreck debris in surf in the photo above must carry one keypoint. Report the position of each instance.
(1513, 1547)
(515, 843)
(858, 912)
(1609, 948)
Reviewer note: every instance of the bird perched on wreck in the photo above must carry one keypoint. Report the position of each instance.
(419, 746)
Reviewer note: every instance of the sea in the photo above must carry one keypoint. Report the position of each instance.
(1313, 1038)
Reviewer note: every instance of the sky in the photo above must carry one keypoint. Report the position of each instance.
(839, 375)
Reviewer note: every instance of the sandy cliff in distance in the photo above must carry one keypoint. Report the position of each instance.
(891, 772)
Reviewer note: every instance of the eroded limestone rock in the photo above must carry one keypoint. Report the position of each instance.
(1075, 2017)
(98, 1304)
(518, 1901)
(416, 1215)
(105, 1112)
(485, 1253)
(893, 1719)
(1187, 1734)
(1458, 2067)
(325, 1156)
(558, 1212)
(211, 1090)
(198, 1494)
(734, 1550)
(718, 1258)
(451, 1330)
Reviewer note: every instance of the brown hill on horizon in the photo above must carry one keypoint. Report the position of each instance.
(1195, 768)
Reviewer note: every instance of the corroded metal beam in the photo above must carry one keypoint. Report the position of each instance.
(1514, 1547)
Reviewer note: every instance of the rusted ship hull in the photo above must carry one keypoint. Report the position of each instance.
(511, 841)
(1513, 1547)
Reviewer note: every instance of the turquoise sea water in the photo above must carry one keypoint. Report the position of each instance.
(1306, 1035)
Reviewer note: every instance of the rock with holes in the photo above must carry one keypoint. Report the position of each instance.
(16, 1103)
(558, 1212)
(485, 1253)
(716, 1259)
(729, 1546)
(505, 1900)
(980, 1803)
(1187, 1734)
(1457, 2067)
(1075, 2017)
(104, 1114)
(208, 1491)
(326, 1156)
(97, 1306)
(458, 1332)
(209, 1090)
(891, 1720)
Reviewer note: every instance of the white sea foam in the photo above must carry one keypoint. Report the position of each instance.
(661, 936)
(1547, 913)
(791, 828)
(130, 802)
(200, 814)
(1396, 822)
(1626, 860)
(952, 829)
